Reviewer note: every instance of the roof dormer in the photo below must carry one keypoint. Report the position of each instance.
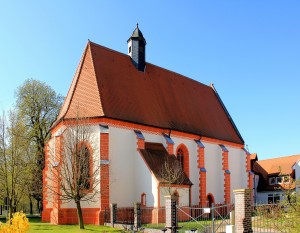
(137, 49)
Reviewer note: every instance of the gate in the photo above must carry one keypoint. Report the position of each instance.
(204, 220)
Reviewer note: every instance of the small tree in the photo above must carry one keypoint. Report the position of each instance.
(75, 172)
(172, 173)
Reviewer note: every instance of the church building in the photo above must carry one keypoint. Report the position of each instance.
(144, 116)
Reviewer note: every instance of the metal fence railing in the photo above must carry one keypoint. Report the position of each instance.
(204, 219)
(274, 218)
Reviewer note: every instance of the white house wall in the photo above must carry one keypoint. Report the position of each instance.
(262, 197)
(297, 174)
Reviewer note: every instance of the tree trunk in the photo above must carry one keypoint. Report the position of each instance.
(10, 209)
(79, 214)
(30, 206)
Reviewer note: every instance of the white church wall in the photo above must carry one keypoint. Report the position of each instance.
(214, 172)
(94, 139)
(193, 166)
(237, 168)
(183, 199)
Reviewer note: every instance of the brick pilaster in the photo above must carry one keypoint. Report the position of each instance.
(104, 174)
(243, 223)
(56, 216)
(46, 211)
(170, 148)
(227, 195)
(202, 176)
(248, 169)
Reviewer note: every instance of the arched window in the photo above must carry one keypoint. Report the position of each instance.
(210, 200)
(82, 167)
(143, 199)
(182, 154)
(180, 157)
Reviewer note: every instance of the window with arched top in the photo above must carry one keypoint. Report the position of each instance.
(82, 167)
(182, 155)
(143, 199)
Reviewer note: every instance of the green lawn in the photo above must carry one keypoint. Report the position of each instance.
(37, 226)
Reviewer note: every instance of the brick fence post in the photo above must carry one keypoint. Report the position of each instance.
(171, 213)
(137, 215)
(243, 223)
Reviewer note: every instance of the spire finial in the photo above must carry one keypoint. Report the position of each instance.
(137, 25)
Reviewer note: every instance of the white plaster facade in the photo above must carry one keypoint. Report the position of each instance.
(130, 177)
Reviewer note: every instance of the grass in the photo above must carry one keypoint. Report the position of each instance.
(37, 226)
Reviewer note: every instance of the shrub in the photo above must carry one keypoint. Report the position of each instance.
(18, 224)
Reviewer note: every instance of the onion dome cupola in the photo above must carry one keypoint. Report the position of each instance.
(137, 49)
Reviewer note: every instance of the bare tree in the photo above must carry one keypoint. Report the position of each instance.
(172, 173)
(75, 167)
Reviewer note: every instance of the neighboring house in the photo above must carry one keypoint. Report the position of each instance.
(296, 168)
(275, 176)
(141, 114)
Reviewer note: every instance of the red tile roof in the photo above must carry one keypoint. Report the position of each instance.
(274, 167)
(107, 84)
(253, 156)
(281, 165)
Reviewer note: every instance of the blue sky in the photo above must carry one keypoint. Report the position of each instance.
(250, 50)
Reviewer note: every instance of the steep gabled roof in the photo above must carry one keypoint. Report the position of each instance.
(156, 156)
(107, 84)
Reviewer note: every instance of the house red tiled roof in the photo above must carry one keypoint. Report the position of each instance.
(272, 168)
(107, 84)
(253, 156)
(281, 165)
(156, 156)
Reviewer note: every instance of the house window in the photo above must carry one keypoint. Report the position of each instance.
(279, 180)
(273, 198)
(129, 50)
(286, 179)
(143, 199)
(272, 180)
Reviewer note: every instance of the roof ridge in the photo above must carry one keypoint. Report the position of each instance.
(93, 62)
(72, 88)
(151, 64)
(278, 158)
(227, 113)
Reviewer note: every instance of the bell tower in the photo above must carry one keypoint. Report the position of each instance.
(137, 49)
